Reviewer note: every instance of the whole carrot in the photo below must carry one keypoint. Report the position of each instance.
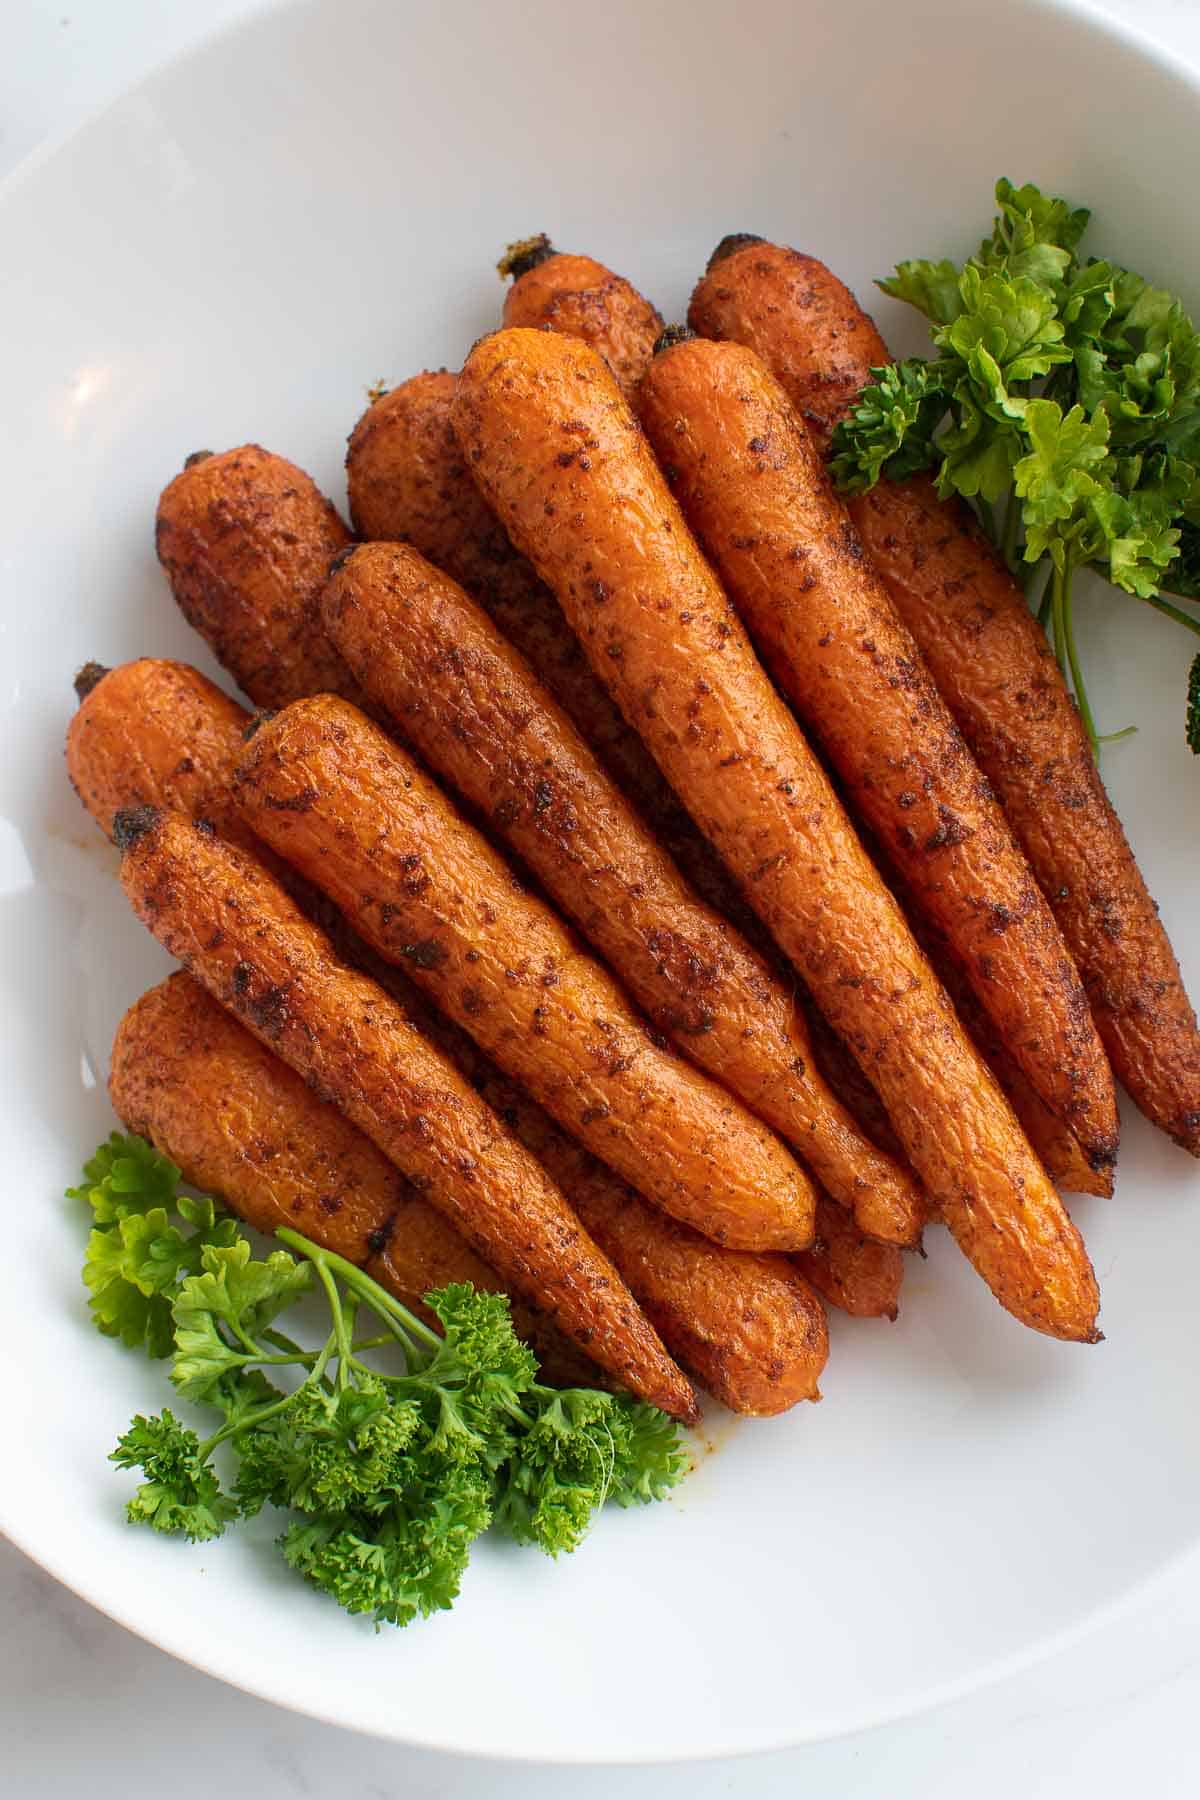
(754, 491)
(218, 1103)
(996, 670)
(473, 708)
(561, 458)
(356, 815)
(226, 920)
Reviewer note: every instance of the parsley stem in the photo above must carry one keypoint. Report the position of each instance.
(254, 1350)
(249, 1421)
(404, 1324)
(1047, 593)
(988, 514)
(1056, 618)
(341, 1325)
(1077, 681)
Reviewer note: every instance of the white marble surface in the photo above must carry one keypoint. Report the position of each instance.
(86, 1708)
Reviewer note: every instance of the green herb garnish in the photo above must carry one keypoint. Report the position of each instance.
(1064, 403)
(390, 1475)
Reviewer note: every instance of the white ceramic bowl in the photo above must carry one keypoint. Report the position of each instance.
(236, 251)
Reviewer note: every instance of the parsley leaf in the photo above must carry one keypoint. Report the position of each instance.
(125, 1175)
(388, 1476)
(181, 1492)
(137, 1255)
(1065, 393)
(895, 422)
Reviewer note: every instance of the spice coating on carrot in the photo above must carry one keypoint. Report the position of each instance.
(224, 918)
(582, 298)
(997, 673)
(240, 1124)
(176, 1042)
(409, 483)
(753, 489)
(433, 661)
(355, 814)
(157, 732)
(564, 463)
(246, 539)
(852, 1272)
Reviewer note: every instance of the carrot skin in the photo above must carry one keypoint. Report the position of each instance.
(997, 673)
(227, 921)
(563, 461)
(753, 489)
(162, 734)
(409, 483)
(240, 1124)
(245, 539)
(432, 661)
(359, 818)
(581, 298)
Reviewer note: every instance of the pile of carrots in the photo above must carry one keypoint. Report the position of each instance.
(647, 886)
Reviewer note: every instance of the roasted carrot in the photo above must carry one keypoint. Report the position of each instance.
(580, 297)
(997, 673)
(355, 814)
(246, 540)
(226, 920)
(409, 483)
(676, 1274)
(240, 1124)
(754, 491)
(563, 461)
(747, 1325)
(853, 1272)
(475, 711)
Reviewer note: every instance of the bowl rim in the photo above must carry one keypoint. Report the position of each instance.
(1133, 39)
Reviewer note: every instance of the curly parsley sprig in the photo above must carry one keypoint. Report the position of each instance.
(1063, 403)
(389, 1476)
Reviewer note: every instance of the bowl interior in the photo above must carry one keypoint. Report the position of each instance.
(236, 251)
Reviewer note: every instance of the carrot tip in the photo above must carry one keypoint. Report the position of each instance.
(736, 240)
(523, 255)
(90, 676)
(133, 822)
(342, 557)
(672, 334)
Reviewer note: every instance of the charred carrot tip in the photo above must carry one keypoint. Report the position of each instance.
(672, 334)
(260, 718)
(91, 674)
(197, 456)
(133, 822)
(523, 255)
(736, 240)
(342, 557)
